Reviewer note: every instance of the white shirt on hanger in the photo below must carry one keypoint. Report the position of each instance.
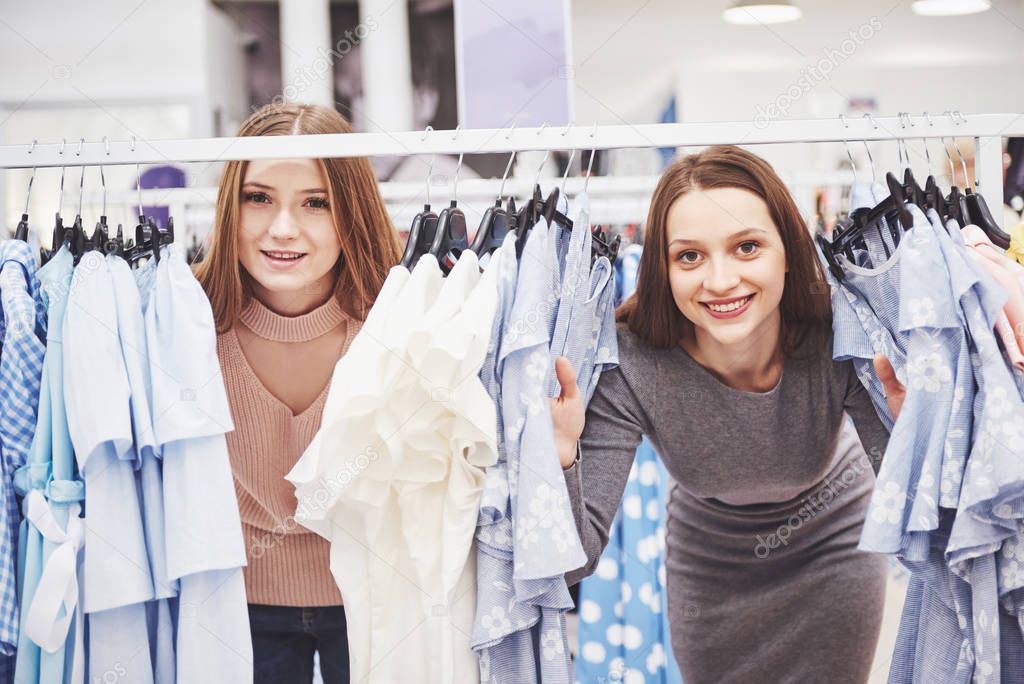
(394, 476)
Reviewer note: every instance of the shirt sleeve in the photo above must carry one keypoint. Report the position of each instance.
(613, 429)
(872, 432)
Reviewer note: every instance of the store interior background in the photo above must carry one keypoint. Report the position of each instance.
(157, 69)
(196, 68)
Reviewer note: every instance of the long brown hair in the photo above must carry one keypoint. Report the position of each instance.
(369, 243)
(651, 312)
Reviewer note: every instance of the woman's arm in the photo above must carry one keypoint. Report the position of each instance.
(607, 447)
(872, 432)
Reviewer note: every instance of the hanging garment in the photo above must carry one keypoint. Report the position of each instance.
(160, 631)
(952, 629)
(1010, 277)
(21, 367)
(203, 531)
(557, 305)
(494, 535)
(397, 467)
(928, 341)
(522, 595)
(50, 479)
(585, 335)
(116, 576)
(627, 594)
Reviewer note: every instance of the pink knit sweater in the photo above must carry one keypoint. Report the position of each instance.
(288, 564)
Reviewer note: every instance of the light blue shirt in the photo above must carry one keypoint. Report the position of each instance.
(147, 464)
(116, 578)
(205, 551)
(51, 469)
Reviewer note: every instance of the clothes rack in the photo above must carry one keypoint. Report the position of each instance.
(986, 130)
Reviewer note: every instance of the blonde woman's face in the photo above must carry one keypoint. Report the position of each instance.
(287, 240)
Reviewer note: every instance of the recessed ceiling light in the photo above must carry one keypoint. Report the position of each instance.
(949, 8)
(753, 12)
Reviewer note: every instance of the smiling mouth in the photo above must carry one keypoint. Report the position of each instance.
(283, 256)
(730, 306)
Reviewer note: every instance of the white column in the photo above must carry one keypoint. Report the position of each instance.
(387, 71)
(307, 65)
(988, 172)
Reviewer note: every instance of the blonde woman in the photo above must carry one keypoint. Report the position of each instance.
(299, 250)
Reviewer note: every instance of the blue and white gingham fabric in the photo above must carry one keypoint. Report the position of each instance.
(21, 367)
(950, 493)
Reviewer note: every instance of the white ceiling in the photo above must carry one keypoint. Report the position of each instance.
(627, 54)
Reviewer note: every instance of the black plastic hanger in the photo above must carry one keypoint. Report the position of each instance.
(494, 226)
(496, 222)
(57, 239)
(933, 197)
(100, 238)
(451, 238)
(75, 237)
(21, 232)
(974, 209)
(148, 240)
(78, 238)
(527, 218)
(912, 191)
(601, 245)
(534, 208)
(421, 236)
(893, 208)
(978, 211)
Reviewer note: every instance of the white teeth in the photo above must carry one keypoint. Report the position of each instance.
(725, 308)
(284, 255)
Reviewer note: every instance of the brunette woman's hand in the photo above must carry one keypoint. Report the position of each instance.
(895, 392)
(567, 415)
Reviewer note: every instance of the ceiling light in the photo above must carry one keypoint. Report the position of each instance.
(949, 8)
(753, 12)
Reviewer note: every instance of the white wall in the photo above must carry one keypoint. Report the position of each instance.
(118, 69)
(54, 51)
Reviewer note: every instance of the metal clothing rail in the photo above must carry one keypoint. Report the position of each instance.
(986, 129)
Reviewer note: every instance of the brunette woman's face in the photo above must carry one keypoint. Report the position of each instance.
(287, 240)
(726, 264)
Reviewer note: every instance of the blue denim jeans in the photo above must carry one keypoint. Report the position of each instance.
(284, 640)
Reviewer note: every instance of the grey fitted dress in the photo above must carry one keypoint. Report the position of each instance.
(767, 498)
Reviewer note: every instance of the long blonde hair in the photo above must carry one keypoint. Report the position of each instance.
(369, 243)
